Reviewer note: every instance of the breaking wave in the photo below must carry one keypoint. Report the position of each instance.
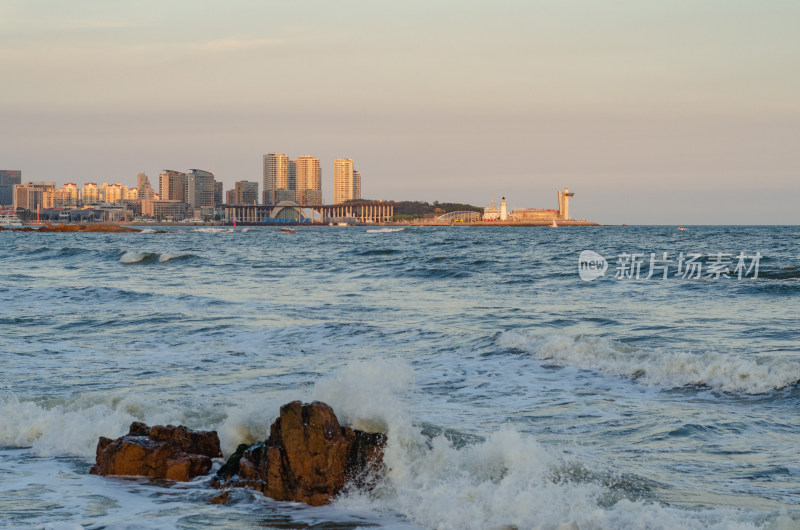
(723, 372)
(72, 428)
(130, 257)
(213, 230)
(385, 230)
(507, 480)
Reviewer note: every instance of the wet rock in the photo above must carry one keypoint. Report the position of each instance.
(309, 457)
(98, 227)
(161, 451)
(222, 498)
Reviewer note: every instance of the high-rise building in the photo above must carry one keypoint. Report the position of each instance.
(8, 179)
(217, 193)
(112, 193)
(346, 181)
(230, 196)
(200, 188)
(245, 192)
(309, 181)
(146, 191)
(276, 176)
(292, 175)
(90, 194)
(30, 195)
(172, 185)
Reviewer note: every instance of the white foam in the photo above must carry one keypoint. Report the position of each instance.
(384, 230)
(133, 257)
(210, 230)
(724, 372)
(367, 394)
(147, 231)
(503, 482)
(73, 428)
(167, 257)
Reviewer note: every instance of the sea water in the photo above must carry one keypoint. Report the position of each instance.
(514, 394)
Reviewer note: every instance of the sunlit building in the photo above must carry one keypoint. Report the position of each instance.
(309, 181)
(276, 177)
(346, 181)
(245, 192)
(30, 195)
(172, 185)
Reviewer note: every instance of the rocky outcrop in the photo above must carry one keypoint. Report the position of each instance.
(161, 451)
(87, 228)
(308, 457)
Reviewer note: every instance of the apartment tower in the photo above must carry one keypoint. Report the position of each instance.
(346, 181)
(276, 177)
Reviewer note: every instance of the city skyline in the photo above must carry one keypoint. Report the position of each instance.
(671, 102)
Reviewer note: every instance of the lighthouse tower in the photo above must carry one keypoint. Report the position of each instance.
(503, 210)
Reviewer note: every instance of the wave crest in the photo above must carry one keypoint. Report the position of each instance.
(724, 372)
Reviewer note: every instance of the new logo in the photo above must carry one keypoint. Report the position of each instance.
(591, 265)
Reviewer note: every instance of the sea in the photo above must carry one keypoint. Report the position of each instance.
(520, 383)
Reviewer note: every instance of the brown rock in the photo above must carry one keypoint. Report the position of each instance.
(86, 228)
(163, 451)
(309, 456)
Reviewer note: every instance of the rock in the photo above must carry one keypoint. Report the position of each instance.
(309, 456)
(222, 498)
(161, 451)
(86, 228)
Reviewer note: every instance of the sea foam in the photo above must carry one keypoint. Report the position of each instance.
(656, 367)
(507, 480)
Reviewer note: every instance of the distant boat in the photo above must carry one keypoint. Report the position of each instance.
(553, 224)
(10, 220)
(681, 228)
(289, 230)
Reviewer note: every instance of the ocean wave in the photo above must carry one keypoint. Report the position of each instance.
(384, 230)
(129, 257)
(72, 428)
(505, 480)
(167, 257)
(379, 252)
(723, 372)
(210, 230)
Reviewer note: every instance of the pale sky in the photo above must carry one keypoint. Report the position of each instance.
(684, 112)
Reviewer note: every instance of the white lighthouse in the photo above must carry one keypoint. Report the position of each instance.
(503, 210)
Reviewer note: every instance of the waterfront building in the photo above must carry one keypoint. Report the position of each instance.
(200, 187)
(111, 193)
(90, 194)
(165, 209)
(245, 192)
(8, 179)
(276, 177)
(131, 194)
(230, 196)
(346, 181)
(309, 181)
(30, 195)
(217, 193)
(172, 186)
(146, 191)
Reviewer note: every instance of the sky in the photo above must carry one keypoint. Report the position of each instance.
(652, 112)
